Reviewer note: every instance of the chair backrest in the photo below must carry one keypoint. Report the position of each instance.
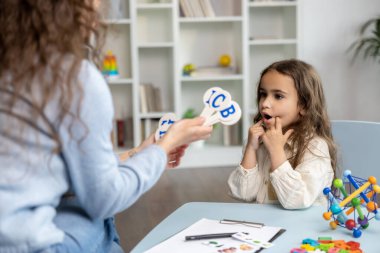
(358, 147)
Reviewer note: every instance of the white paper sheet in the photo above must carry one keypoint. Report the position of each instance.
(177, 242)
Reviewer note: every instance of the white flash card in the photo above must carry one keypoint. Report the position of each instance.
(167, 119)
(220, 100)
(246, 237)
(163, 125)
(207, 110)
(227, 116)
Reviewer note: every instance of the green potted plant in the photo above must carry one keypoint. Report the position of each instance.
(189, 114)
(368, 45)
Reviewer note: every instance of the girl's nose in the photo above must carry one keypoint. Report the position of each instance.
(266, 103)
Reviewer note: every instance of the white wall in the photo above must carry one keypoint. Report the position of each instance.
(328, 27)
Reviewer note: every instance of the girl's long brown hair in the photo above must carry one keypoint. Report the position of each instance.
(315, 121)
(36, 39)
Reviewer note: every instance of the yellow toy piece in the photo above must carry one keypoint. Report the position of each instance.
(307, 247)
(225, 60)
(333, 224)
(187, 69)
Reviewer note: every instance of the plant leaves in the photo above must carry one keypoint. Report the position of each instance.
(368, 46)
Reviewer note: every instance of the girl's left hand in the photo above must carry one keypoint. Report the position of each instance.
(274, 140)
(273, 137)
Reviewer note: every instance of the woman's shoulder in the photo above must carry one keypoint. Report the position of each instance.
(89, 71)
(92, 79)
(96, 92)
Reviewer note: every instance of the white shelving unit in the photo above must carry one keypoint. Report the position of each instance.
(152, 43)
(273, 35)
(155, 48)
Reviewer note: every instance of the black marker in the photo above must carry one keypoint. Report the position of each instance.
(208, 236)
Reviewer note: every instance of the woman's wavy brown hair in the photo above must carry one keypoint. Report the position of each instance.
(36, 38)
(315, 121)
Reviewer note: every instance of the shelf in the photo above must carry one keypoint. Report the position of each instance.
(153, 6)
(210, 20)
(211, 78)
(152, 115)
(273, 4)
(156, 45)
(273, 42)
(122, 21)
(119, 81)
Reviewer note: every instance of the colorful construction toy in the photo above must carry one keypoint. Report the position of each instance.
(110, 69)
(352, 211)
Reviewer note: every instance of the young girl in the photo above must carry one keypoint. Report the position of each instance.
(290, 155)
(60, 181)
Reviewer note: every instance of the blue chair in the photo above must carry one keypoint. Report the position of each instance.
(358, 147)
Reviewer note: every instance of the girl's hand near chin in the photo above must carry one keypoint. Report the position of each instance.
(274, 140)
(255, 132)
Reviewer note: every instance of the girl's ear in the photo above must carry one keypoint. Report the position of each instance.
(302, 112)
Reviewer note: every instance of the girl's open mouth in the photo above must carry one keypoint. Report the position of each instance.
(267, 116)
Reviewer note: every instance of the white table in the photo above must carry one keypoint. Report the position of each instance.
(299, 224)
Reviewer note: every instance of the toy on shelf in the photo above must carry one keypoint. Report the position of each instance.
(110, 69)
(225, 60)
(187, 69)
(327, 245)
(222, 68)
(352, 211)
